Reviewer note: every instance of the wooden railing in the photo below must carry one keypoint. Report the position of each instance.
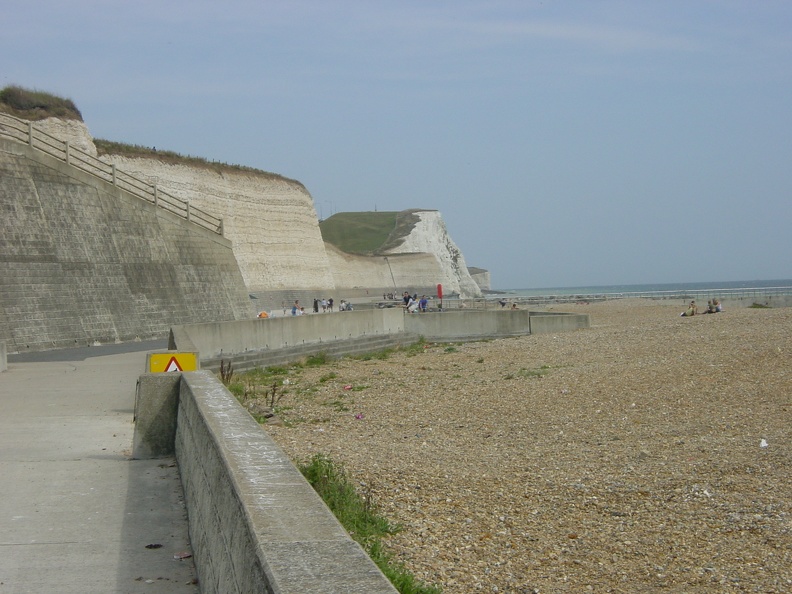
(26, 132)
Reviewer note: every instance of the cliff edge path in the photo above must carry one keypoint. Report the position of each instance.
(77, 514)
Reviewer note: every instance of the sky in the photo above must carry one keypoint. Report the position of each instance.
(566, 143)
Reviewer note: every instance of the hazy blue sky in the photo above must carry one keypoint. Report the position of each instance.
(565, 143)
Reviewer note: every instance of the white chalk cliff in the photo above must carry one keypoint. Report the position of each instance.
(430, 236)
(272, 224)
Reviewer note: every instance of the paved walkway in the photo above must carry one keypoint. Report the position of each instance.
(76, 512)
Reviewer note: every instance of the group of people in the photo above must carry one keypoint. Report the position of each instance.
(713, 306)
(325, 304)
(503, 303)
(413, 304)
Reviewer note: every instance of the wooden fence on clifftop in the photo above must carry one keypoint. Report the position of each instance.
(25, 132)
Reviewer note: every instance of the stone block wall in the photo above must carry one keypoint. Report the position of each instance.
(83, 262)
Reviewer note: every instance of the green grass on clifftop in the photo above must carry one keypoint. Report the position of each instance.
(109, 147)
(34, 106)
(358, 232)
(37, 105)
(367, 233)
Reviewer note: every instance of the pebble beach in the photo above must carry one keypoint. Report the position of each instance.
(648, 453)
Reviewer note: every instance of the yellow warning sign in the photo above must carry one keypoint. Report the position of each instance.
(171, 361)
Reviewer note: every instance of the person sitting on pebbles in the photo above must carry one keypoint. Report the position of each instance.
(692, 310)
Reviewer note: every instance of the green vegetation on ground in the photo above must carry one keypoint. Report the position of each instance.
(36, 105)
(359, 516)
(356, 511)
(358, 232)
(367, 233)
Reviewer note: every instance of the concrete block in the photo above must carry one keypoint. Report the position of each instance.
(256, 525)
(156, 408)
(545, 323)
(3, 356)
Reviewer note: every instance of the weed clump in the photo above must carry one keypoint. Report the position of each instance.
(359, 516)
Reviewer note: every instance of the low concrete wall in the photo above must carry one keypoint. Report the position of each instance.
(276, 341)
(468, 324)
(286, 356)
(156, 405)
(256, 525)
(461, 325)
(547, 322)
(214, 340)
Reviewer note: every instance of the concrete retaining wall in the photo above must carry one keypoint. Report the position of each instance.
(275, 341)
(256, 525)
(82, 261)
(456, 325)
(468, 325)
(286, 356)
(220, 339)
(547, 322)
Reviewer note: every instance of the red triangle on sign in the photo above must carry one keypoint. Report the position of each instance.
(173, 365)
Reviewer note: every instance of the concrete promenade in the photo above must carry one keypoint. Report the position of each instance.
(76, 512)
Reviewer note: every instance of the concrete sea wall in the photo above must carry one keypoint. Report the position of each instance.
(274, 341)
(461, 325)
(255, 523)
(82, 261)
(218, 339)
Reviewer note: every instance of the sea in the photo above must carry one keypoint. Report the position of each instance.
(778, 286)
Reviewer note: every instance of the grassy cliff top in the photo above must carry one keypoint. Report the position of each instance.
(34, 106)
(37, 105)
(133, 151)
(368, 233)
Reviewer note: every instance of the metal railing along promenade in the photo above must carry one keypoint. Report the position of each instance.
(25, 132)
